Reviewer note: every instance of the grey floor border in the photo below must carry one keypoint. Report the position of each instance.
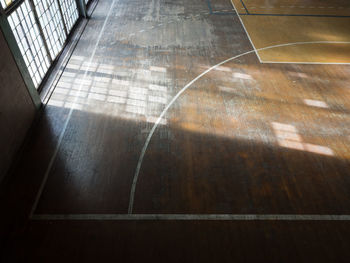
(192, 217)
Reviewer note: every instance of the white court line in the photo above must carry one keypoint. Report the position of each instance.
(149, 137)
(43, 183)
(52, 160)
(251, 42)
(304, 63)
(193, 217)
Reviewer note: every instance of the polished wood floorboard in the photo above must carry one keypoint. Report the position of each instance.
(245, 138)
(299, 7)
(309, 31)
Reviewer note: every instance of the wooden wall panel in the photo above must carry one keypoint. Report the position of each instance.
(16, 108)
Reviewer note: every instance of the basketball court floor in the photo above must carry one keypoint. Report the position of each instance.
(197, 131)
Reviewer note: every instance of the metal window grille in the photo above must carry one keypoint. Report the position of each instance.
(51, 22)
(70, 13)
(30, 43)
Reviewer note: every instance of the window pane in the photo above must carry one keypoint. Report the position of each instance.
(29, 41)
(55, 18)
(70, 13)
(52, 24)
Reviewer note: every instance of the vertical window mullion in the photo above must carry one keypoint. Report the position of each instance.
(29, 41)
(62, 17)
(70, 13)
(32, 6)
(40, 28)
(25, 35)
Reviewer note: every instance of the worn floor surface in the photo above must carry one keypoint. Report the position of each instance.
(164, 109)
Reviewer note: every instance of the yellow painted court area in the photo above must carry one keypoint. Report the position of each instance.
(298, 7)
(265, 29)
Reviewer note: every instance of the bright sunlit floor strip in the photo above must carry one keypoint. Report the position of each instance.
(193, 217)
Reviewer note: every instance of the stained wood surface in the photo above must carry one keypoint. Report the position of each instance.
(271, 23)
(299, 7)
(245, 138)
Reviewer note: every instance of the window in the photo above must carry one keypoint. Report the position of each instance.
(52, 25)
(41, 28)
(70, 12)
(30, 43)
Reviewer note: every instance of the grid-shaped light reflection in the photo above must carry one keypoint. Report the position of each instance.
(52, 25)
(110, 86)
(30, 43)
(70, 13)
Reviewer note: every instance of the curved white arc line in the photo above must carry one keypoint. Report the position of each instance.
(149, 137)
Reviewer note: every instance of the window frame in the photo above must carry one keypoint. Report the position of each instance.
(45, 34)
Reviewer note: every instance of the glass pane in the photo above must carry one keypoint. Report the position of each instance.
(54, 17)
(31, 44)
(70, 13)
(52, 25)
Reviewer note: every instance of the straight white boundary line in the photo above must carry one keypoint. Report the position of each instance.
(60, 139)
(52, 86)
(304, 63)
(251, 42)
(144, 149)
(149, 137)
(192, 217)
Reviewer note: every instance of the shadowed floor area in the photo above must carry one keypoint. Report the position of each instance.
(177, 91)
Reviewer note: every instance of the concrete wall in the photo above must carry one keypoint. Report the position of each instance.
(17, 110)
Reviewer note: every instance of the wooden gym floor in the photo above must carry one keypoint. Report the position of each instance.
(168, 139)
(313, 31)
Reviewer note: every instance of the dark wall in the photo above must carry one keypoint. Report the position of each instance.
(17, 110)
